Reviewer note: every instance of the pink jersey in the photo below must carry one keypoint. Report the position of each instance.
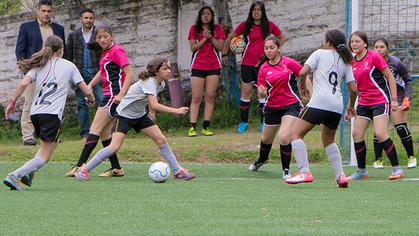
(280, 82)
(255, 42)
(111, 64)
(372, 86)
(207, 56)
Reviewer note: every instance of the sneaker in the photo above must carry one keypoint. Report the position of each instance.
(256, 165)
(113, 172)
(184, 174)
(358, 175)
(342, 181)
(242, 127)
(192, 132)
(27, 179)
(378, 164)
(13, 183)
(300, 177)
(411, 163)
(82, 174)
(286, 174)
(396, 174)
(261, 127)
(206, 132)
(29, 142)
(71, 172)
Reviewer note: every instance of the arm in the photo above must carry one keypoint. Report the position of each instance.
(282, 39)
(95, 80)
(226, 48)
(197, 45)
(303, 80)
(19, 91)
(154, 105)
(353, 94)
(393, 89)
(127, 83)
(218, 44)
(87, 92)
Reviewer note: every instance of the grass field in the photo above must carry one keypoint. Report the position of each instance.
(224, 199)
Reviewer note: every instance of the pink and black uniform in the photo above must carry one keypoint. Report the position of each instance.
(254, 49)
(206, 60)
(282, 91)
(374, 92)
(113, 77)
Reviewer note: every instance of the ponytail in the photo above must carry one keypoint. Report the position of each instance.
(152, 68)
(262, 60)
(337, 39)
(144, 75)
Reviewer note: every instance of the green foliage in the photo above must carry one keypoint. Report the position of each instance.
(9, 7)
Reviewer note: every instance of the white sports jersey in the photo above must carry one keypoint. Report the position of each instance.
(328, 71)
(134, 102)
(52, 84)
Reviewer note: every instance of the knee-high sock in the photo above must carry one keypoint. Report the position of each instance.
(335, 158)
(30, 166)
(390, 151)
(405, 137)
(299, 148)
(113, 158)
(378, 149)
(98, 158)
(361, 154)
(244, 110)
(167, 153)
(88, 148)
(286, 151)
(264, 151)
(261, 106)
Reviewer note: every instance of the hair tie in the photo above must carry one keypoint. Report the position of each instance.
(341, 45)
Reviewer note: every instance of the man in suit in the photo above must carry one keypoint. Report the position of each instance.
(30, 40)
(87, 61)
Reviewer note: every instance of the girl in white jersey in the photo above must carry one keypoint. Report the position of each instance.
(131, 113)
(52, 76)
(329, 66)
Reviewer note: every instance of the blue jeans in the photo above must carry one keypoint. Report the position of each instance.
(83, 110)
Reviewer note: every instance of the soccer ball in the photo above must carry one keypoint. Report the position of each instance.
(237, 45)
(159, 172)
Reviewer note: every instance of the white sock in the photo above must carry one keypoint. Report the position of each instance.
(335, 159)
(167, 153)
(98, 158)
(301, 157)
(30, 166)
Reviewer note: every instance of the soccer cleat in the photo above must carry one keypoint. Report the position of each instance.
(243, 126)
(192, 132)
(300, 177)
(396, 174)
(13, 183)
(256, 165)
(184, 174)
(286, 174)
(342, 181)
(358, 175)
(411, 162)
(261, 127)
(207, 132)
(27, 179)
(71, 172)
(82, 174)
(113, 172)
(378, 164)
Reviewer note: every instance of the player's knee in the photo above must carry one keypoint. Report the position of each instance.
(160, 140)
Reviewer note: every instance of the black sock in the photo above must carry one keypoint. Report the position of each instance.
(244, 111)
(88, 148)
(193, 125)
(378, 149)
(405, 137)
(264, 152)
(286, 151)
(390, 150)
(114, 158)
(261, 106)
(361, 153)
(206, 124)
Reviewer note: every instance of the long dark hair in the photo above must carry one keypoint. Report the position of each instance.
(198, 24)
(264, 57)
(360, 34)
(264, 22)
(52, 44)
(152, 68)
(336, 38)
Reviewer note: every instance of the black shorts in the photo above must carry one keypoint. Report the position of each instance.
(370, 112)
(47, 127)
(123, 124)
(401, 92)
(273, 116)
(107, 102)
(318, 116)
(205, 73)
(249, 74)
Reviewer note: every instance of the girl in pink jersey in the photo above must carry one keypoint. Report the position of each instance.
(206, 39)
(255, 30)
(377, 93)
(116, 76)
(277, 82)
(404, 94)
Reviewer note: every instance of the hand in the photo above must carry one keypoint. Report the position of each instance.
(182, 110)
(405, 104)
(350, 113)
(305, 93)
(90, 102)
(152, 115)
(207, 34)
(10, 109)
(224, 60)
(117, 99)
(394, 105)
(262, 91)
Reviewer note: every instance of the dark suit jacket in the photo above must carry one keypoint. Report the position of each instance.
(29, 40)
(74, 50)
